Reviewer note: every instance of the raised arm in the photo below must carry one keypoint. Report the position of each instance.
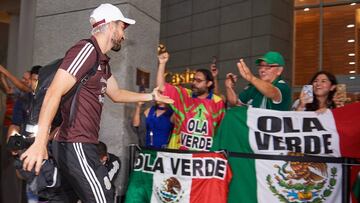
(215, 73)
(137, 114)
(5, 84)
(160, 77)
(37, 152)
(20, 85)
(230, 92)
(265, 88)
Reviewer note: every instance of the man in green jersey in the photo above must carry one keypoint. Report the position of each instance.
(269, 91)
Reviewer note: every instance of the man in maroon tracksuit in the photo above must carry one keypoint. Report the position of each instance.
(74, 147)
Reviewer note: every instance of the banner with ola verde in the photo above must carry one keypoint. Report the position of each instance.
(169, 177)
(258, 131)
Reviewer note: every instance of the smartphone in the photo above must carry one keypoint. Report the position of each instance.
(214, 61)
(161, 49)
(341, 91)
(308, 91)
(232, 78)
(213, 66)
(341, 88)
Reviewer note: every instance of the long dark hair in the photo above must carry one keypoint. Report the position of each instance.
(329, 100)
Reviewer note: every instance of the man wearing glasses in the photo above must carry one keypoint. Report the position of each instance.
(269, 91)
(198, 112)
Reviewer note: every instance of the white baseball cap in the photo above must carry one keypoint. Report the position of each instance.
(106, 13)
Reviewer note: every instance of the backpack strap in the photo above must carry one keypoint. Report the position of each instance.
(81, 83)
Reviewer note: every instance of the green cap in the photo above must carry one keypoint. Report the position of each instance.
(271, 57)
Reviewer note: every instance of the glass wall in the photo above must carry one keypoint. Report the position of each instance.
(326, 37)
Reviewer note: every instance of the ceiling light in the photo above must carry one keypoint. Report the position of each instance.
(352, 63)
(352, 72)
(351, 54)
(350, 26)
(306, 9)
(352, 4)
(352, 77)
(351, 40)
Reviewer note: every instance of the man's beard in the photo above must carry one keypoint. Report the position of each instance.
(116, 47)
(116, 43)
(197, 91)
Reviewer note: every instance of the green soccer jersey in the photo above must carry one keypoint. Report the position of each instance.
(252, 97)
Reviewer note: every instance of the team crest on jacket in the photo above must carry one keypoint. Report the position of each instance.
(169, 191)
(103, 83)
(302, 181)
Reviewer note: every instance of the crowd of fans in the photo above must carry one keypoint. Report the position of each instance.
(267, 90)
(171, 126)
(180, 118)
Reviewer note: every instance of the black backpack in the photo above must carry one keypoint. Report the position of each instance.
(46, 75)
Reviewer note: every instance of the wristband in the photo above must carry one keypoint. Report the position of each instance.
(152, 96)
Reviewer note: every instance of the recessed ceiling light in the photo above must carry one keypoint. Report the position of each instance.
(351, 54)
(351, 40)
(352, 77)
(350, 26)
(352, 4)
(352, 72)
(306, 9)
(352, 63)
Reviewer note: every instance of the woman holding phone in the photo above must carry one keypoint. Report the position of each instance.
(322, 96)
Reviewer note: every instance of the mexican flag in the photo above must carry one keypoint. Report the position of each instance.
(168, 177)
(259, 131)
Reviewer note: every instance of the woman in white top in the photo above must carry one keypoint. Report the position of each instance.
(324, 97)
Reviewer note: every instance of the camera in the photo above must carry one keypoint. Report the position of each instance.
(19, 142)
(161, 49)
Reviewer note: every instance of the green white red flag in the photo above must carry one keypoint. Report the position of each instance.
(258, 131)
(167, 177)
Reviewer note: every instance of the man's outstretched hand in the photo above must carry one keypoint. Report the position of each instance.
(161, 98)
(34, 157)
